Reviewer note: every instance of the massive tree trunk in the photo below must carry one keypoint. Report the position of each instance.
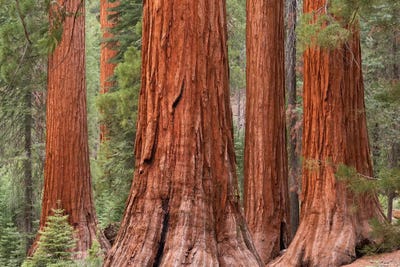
(183, 208)
(266, 197)
(67, 182)
(293, 119)
(108, 52)
(334, 220)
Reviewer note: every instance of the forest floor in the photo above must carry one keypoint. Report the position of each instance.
(381, 260)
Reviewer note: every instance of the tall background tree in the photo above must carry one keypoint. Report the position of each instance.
(266, 199)
(108, 53)
(118, 111)
(381, 42)
(22, 82)
(185, 179)
(67, 174)
(334, 219)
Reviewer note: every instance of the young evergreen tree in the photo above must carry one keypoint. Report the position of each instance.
(56, 243)
(12, 245)
(12, 249)
(184, 205)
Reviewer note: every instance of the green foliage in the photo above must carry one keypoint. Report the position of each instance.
(55, 244)
(116, 160)
(355, 181)
(92, 74)
(387, 238)
(12, 250)
(239, 151)
(332, 25)
(95, 258)
(22, 83)
(388, 180)
(128, 27)
(321, 30)
(96, 255)
(236, 10)
(118, 112)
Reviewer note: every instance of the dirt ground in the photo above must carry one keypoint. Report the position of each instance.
(382, 260)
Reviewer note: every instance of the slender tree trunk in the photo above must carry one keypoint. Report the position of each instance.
(183, 207)
(294, 158)
(108, 52)
(394, 161)
(390, 199)
(376, 149)
(28, 181)
(334, 221)
(266, 199)
(394, 155)
(239, 107)
(67, 176)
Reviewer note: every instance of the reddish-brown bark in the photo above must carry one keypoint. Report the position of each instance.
(183, 207)
(334, 221)
(266, 199)
(108, 52)
(67, 182)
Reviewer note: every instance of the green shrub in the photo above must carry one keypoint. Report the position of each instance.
(56, 243)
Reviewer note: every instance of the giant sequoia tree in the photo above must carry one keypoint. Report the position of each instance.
(108, 52)
(334, 220)
(67, 177)
(183, 207)
(265, 167)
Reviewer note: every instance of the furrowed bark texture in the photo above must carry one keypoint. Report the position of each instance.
(334, 221)
(183, 207)
(107, 53)
(67, 182)
(266, 197)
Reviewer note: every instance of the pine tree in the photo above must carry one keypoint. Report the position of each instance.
(12, 249)
(22, 79)
(56, 243)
